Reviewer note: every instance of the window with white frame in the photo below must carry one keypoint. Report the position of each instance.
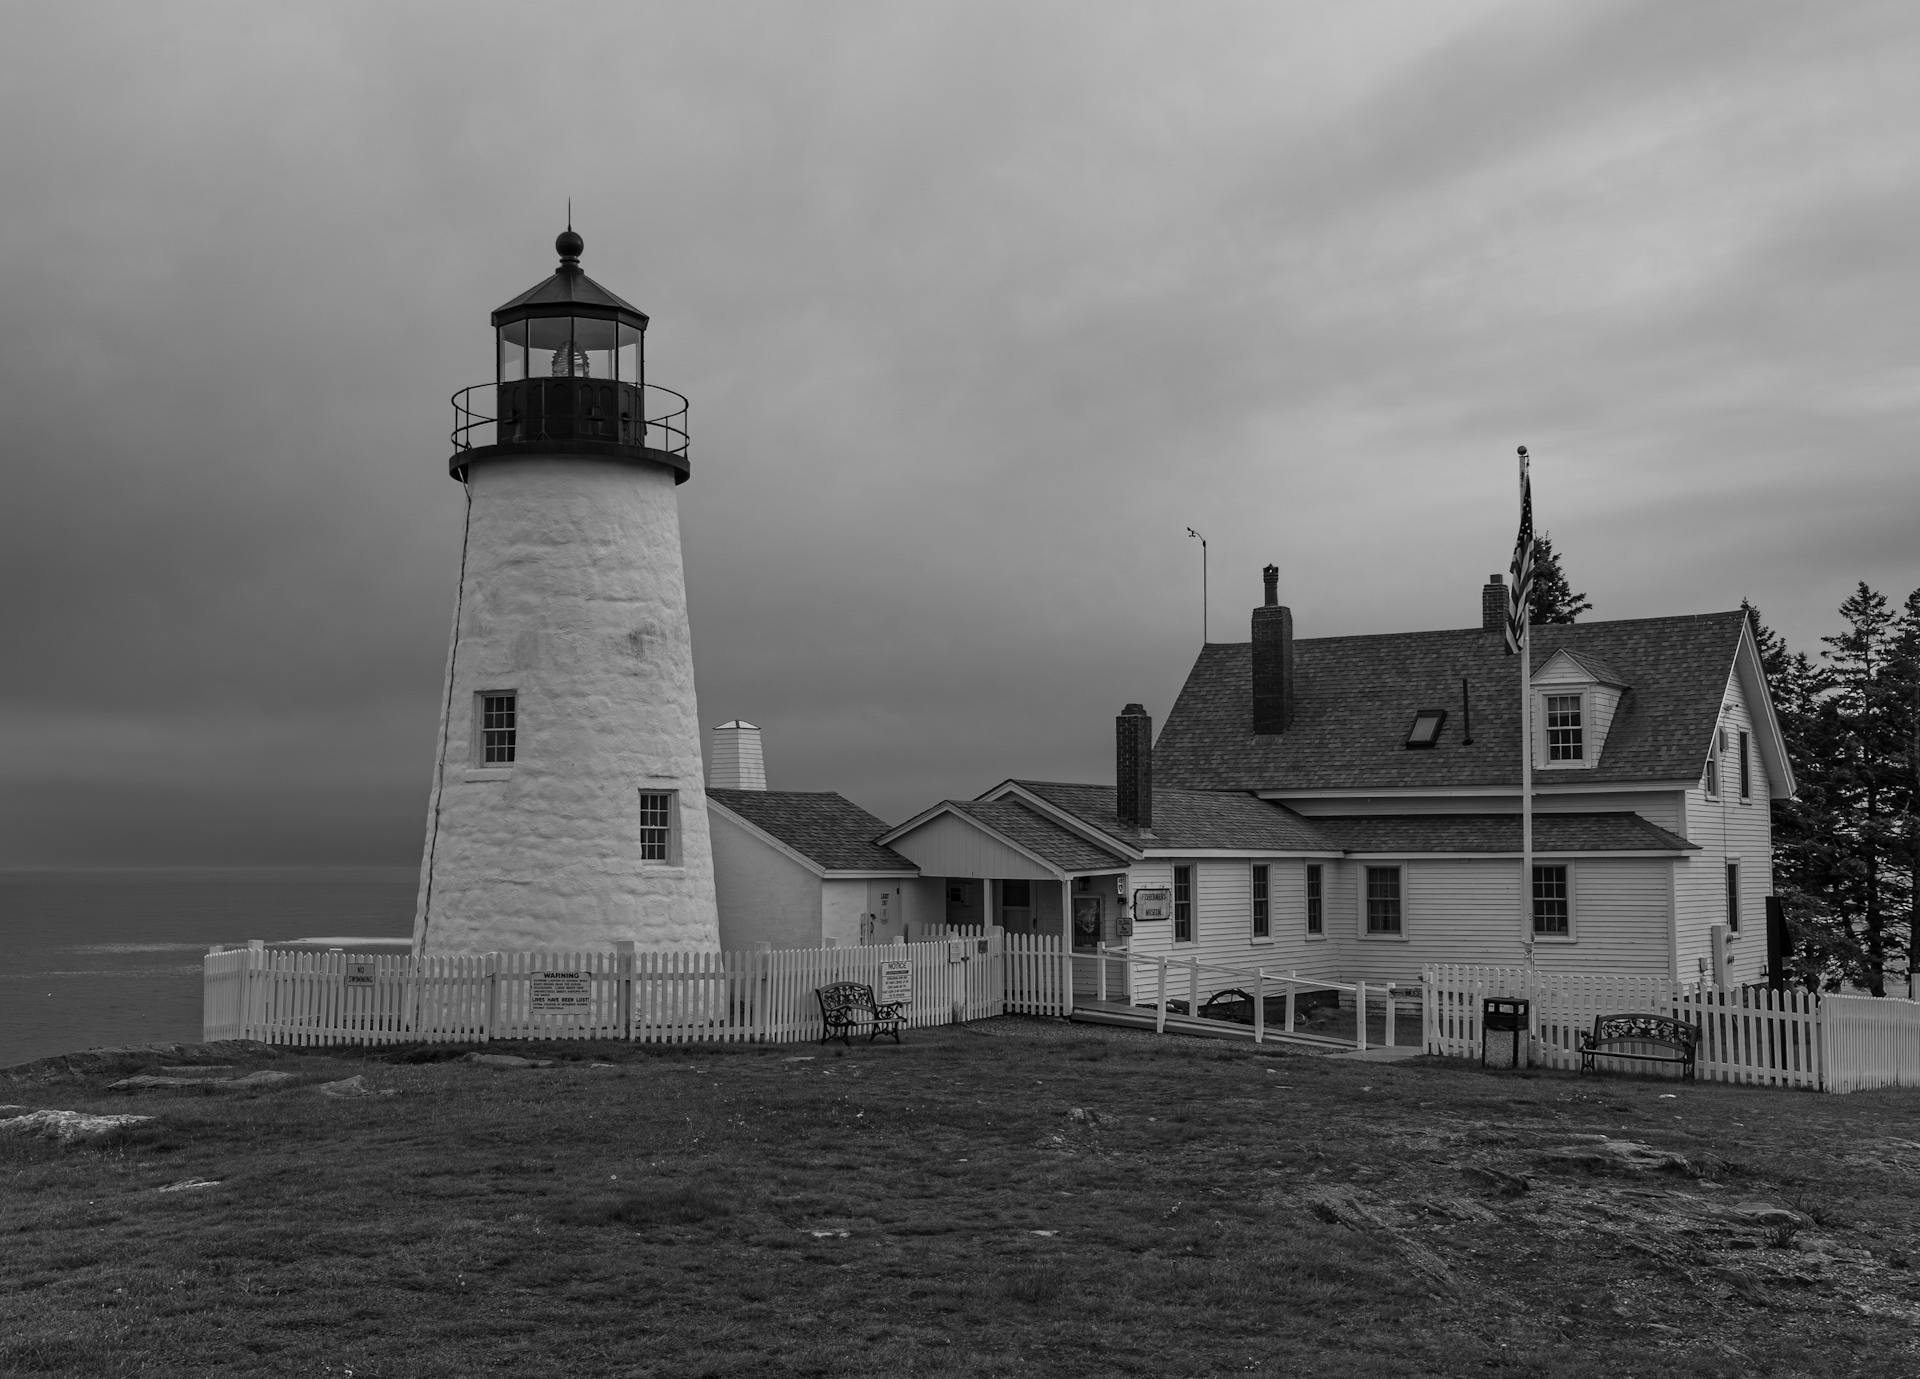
(1746, 771)
(1316, 904)
(659, 817)
(1183, 904)
(1262, 927)
(1564, 740)
(1383, 900)
(1552, 902)
(497, 740)
(1713, 761)
(1733, 897)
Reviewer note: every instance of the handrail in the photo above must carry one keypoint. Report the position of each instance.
(1239, 974)
(664, 430)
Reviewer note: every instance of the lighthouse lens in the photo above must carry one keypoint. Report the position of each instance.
(550, 347)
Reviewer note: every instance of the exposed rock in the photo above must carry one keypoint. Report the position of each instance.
(251, 1082)
(1628, 1157)
(189, 1185)
(355, 1086)
(507, 1060)
(125, 1058)
(1498, 1181)
(68, 1127)
(1767, 1214)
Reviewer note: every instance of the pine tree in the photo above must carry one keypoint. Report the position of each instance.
(1905, 680)
(1553, 598)
(1847, 846)
(1862, 751)
(1823, 950)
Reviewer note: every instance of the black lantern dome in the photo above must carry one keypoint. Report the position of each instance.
(570, 379)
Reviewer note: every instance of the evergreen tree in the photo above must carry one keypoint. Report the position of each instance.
(1847, 846)
(1823, 951)
(1905, 681)
(1553, 598)
(1864, 754)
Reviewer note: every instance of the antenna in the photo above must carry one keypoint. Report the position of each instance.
(1203, 583)
(569, 213)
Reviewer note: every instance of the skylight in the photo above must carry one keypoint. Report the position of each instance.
(1426, 727)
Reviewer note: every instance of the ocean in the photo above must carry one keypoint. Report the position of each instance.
(91, 958)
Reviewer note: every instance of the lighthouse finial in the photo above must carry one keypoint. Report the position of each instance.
(569, 244)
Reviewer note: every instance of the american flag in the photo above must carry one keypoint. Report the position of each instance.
(1520, 599)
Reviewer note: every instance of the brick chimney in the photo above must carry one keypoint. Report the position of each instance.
(736, 763)
(1493, 604)
(1133, 767)
(1272, 660)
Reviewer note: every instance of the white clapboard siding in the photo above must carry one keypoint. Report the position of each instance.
(656, 997)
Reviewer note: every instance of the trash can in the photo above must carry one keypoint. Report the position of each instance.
(1510, 1018)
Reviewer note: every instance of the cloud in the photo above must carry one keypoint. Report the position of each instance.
(979, 307)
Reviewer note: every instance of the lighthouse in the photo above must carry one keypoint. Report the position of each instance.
(567, 808)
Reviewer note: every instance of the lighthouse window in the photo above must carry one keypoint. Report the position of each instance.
(498, 730)
(656, 825)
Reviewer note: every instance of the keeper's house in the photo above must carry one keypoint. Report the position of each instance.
(1349, 807)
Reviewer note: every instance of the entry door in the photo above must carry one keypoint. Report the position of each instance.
(1086, 923)
(1016, 906)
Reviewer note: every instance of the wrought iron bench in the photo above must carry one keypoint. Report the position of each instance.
(848, 1006)
(1682, 1037)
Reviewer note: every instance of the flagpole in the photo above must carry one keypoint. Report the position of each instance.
(1526, 738)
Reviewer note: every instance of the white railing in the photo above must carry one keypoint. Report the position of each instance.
(764, 995)
(1107, 976)
(1748, 1035)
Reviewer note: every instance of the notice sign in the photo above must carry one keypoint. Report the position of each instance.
(561, 991)
(359, 974)
(1153, 902)
(896, 982)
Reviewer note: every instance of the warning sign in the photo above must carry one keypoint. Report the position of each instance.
(561, 991)
(896, 982)
(359, 974)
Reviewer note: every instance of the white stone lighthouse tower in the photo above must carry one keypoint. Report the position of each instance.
(567, 808)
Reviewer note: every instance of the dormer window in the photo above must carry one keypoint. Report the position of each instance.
(1578, 696)
(1426, 728)
(1564, 741)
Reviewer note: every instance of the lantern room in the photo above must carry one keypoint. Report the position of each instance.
(570, 378)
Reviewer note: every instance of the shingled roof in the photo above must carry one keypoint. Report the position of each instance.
(1188, 819)
(828, 829)
(1355, 698)
(1607, 831)
(1034, 831)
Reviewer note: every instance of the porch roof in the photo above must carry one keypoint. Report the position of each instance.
(1057, 846)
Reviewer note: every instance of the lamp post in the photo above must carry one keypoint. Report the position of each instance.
(1203, 582)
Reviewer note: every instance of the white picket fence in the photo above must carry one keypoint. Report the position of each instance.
(1870, 1042)
(1748, 1035)
(766, 995)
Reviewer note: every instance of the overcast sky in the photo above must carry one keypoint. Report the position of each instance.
(979, 306)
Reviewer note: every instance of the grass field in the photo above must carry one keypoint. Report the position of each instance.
(1012, 1197)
